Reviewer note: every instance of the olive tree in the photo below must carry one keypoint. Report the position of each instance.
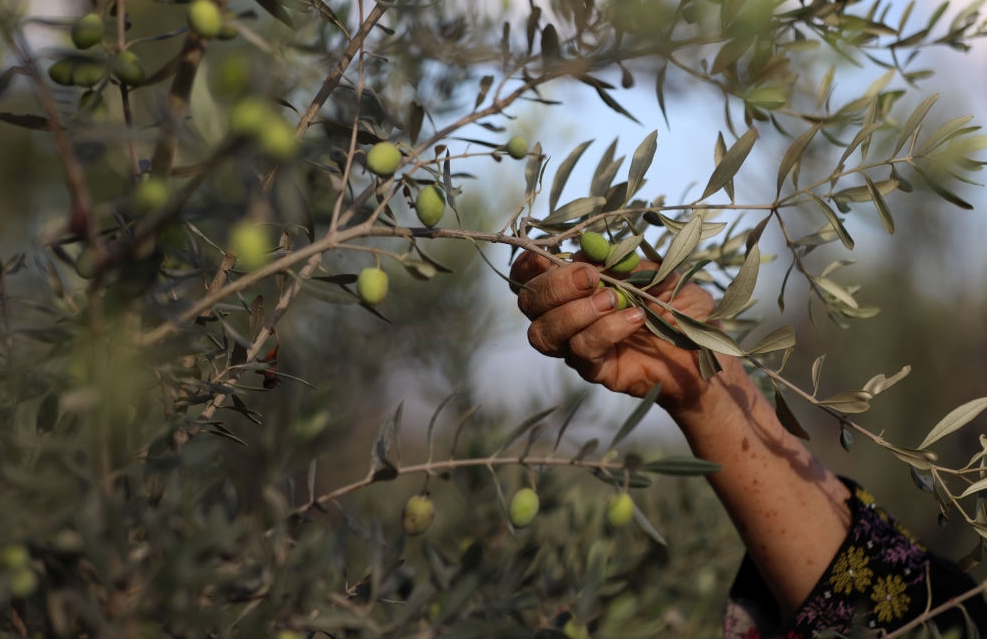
(219, 165)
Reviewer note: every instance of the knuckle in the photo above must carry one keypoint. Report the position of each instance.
(538, 339)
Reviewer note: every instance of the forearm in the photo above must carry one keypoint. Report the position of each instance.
(788, 508)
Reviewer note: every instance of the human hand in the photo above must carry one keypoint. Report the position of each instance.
(573, 319)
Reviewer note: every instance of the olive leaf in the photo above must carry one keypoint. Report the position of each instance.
(731, 163)
(834, 221)
(739, 291)
(779, 339)
(577, 208)
(562, 175)
(641, 162)
(954, 420)
(682, 245)
(911, 125)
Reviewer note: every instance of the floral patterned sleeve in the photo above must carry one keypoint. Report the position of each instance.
(880, 578)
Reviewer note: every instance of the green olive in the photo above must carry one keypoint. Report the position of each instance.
(517, 147)
(249, 243)
(430, 204)
(524, 507)
(22, 582)
(627, 264)
(150, 195)
(418, 514)
(594, 246)
(14, 556)
(277, 138)
(229, 30)
(371, 285)
(248, 116)
(61, 72)
(87, 73)
(383, 158)
(620, 510)
(92, 104)
(128, 68)
(622, 301)
(205, 18)
(87, 31)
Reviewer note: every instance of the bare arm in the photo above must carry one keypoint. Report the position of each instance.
(789, 510)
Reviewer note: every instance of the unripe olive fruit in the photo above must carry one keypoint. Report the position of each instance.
(249, 243)
(61, 72)
(93, 104)
(233, 75)
(418, 514)
(249, 116)
(626, 265)
(371, 285)
(205, 18)
(620, 510)
(150, 195)
(594, 246)
(86, 73)
(87, 31)
(574, 630)
(517, 147)
(430, 204)
(277, 138)
(524, 507)
(22, 582)
(622, 301)
(383, 158)
(14, 557)
(128, 68)
(85, 264)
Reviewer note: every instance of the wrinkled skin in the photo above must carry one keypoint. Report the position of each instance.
(573, 319)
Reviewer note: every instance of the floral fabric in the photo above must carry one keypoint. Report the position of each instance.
(880, 578)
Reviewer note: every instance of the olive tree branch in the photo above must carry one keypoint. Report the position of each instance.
(453, 464)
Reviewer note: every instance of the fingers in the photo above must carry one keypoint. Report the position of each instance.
(556, 287)
(527, 266)
(551, 332)
(596, 341)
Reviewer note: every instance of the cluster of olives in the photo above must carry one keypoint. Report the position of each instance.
(419, 511)
(87, 71)
(206, 20)
(15, 569)
(255, 119)
(597, 249)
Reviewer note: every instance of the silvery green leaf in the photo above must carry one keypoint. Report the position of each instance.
(914, 120)
(523, 427)
(731, 163)
(816, 372)
(562, 175)
(954, 420)
(623, 248)
(835, 290)
(880, 383)
(577, 208)
(706, 335)
(834, 221)
(975, 487)
(739, 291)
(646, 526)
(682, 245)
(857, 401)
(794, 152)
(709, 229)
(942, 134)
(779, 339)
(641, 162)
(680, 465)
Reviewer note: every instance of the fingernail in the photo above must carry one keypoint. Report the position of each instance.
(634, 315)
(605, 300)
(583, 279)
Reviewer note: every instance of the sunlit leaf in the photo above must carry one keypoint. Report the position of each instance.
(740, 289)
(576, 209)
(834, 221)
(731, 163)
(794, 152)
(562, 174)
(954, 420)
(706, 335)
(684, 242)
(779, 339)
(913, 121)
(848, 401)
(641, 162)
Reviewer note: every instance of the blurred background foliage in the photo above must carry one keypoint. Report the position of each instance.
(127, 537)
